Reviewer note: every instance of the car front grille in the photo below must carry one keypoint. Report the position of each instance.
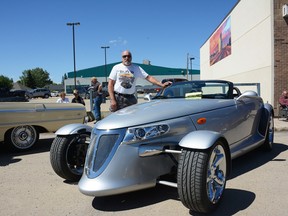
(101, 149)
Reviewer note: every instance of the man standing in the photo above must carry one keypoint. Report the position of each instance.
(283, 100)
(122, 82)
(97, 97)
(77, 98)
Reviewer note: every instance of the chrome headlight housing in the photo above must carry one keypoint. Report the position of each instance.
(141, 133)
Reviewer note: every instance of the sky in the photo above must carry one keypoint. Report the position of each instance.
(33, 33)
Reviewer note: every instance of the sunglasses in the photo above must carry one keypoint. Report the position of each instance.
(126, 56)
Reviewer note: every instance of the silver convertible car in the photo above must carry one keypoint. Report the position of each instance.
(185, 137)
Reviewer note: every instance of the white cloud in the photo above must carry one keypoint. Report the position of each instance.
(118, 41)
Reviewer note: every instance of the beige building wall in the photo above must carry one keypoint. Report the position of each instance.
(252, 44)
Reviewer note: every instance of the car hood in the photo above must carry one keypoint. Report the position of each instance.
(158, 110)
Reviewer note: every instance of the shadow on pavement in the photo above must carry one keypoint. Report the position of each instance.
(255, 159)
(7, 156)
(136, 199)
(234, 200)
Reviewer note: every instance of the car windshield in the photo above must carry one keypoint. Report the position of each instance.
(198, 89)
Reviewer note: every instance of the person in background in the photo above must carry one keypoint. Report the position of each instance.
(122, 82)
(63, 98)
(96, 89)
(283, 100)
(77, 98)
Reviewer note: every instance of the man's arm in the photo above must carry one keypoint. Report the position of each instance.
(111, 84)
(151, 79)
(113, 103)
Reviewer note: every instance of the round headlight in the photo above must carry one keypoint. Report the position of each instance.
(139, 133)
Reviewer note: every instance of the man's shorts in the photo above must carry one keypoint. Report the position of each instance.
(125, 100)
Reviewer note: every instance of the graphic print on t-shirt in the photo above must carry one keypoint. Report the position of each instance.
(126, 78)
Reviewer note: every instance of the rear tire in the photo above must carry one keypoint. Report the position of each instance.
(67, 155)
(201, 178)
(269, 137)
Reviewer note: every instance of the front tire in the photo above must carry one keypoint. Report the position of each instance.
(67, 155)
(201, 177)
(22, 138)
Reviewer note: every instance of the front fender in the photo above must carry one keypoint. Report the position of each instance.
(264, 120)
(74, 129)
(269, 108)
(202, 139)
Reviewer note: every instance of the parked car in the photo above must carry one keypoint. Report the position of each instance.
(21, 123)
(54, 93)
(174, 80)
(139, 89)
(39, 92)
(13, 96)
(153, 89)
(185, 137)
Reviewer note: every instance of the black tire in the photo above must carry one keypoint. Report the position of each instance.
(269, 137)
(67, 155)
(46, 96)
(21, 138)
(201, 178)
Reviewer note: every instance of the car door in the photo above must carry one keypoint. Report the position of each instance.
(235, 119)
(37, 93)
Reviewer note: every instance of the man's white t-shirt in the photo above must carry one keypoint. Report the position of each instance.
(125, 77)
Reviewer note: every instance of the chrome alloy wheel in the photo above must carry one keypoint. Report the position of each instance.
(24, 137)
(216, 174)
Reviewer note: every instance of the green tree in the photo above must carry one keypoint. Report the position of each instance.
(5, 83)
(30, 82)
(36, 77)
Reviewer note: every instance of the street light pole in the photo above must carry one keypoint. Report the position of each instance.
(74, 59)
(105, 47)
(187, 71)
(191, 66)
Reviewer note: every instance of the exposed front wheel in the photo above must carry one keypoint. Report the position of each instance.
(22, 137)
(201, 177)
(67, 155)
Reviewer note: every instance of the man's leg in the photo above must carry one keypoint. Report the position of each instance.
(97, 108)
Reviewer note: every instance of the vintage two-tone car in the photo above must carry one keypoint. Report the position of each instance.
(190, 132)
(21, 123)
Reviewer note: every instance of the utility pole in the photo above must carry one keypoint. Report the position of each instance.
(187, 71)
(73, 24)
(191, 66)
(105, 47)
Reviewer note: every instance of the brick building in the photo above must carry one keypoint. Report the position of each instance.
(280, 47)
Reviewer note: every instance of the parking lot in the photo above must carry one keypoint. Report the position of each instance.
(257, 186)
(29, 186)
